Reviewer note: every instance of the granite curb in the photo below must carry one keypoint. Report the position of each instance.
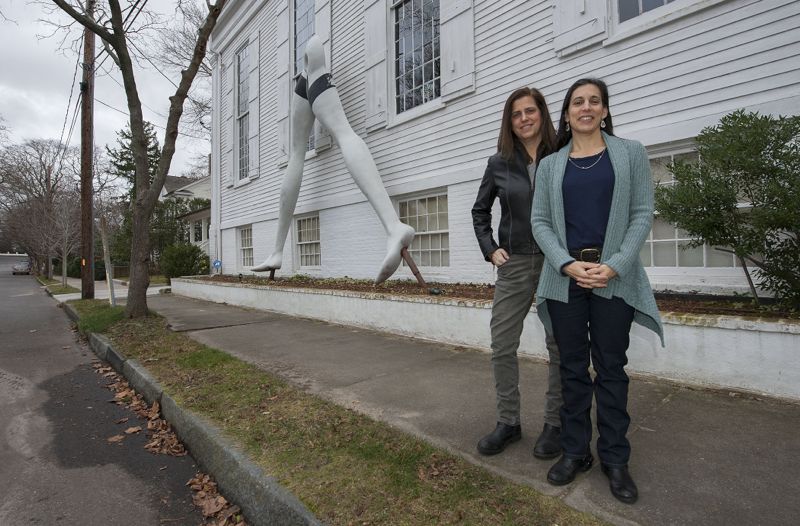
(262, 499)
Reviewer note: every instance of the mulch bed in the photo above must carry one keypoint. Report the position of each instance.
(667, 301)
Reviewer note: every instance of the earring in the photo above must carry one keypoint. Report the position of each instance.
(567, 126)
(603, 124)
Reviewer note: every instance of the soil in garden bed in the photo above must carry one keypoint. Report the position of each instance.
(667, 301)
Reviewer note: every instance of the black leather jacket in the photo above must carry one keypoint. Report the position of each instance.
(509, 182)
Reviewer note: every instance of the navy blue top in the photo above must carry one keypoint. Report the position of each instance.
(587, 200)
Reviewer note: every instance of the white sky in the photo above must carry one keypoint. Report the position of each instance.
(36, 79)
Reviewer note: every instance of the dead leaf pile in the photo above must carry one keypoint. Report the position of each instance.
(213, 505)
(162, 440)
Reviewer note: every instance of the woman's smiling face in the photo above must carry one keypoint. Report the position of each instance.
(526, 120)
(586, 110)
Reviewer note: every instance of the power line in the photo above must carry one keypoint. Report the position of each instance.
(125, 29)
(153, 64)
(71, 91)
(142, 103)
(154, 124)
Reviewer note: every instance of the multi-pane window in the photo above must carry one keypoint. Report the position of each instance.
(198, 231)
(308, 246)
(632, 8)
(428, 216)
(242, 109)
(246, 246)
(417, 53)
(303, 29)
(667, 245)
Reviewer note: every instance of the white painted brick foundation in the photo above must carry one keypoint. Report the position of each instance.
(709, 351)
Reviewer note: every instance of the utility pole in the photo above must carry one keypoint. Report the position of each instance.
(87, 157)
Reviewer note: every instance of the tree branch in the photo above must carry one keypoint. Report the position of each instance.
(85, 21)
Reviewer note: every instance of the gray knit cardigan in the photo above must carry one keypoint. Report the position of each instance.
(628, 226)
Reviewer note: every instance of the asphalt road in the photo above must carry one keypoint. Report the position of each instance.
(56, 466)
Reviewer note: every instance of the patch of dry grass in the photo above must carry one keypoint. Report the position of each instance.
(346, 467)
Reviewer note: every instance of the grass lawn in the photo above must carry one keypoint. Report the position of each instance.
(54, 286)
(346, 467)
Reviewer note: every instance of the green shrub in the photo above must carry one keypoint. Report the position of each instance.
(744, 193)
(183, 260)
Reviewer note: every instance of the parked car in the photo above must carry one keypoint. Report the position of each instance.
(21, 268)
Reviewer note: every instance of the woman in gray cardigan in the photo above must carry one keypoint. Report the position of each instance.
(592, 211)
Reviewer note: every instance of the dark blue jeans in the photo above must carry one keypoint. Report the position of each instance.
(592, 326)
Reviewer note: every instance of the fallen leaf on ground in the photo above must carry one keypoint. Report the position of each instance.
(121, 420)
(116, 438)
(132, 430)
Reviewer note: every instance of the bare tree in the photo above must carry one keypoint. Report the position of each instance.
(35, 169)
(65, 227)
(173, 48)
(31, 176)
(115, 37)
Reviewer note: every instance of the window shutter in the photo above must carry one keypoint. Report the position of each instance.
(578, 24)
(457, 41)
(375, 38)
(284, 82)
(322, 27)
(253, 107)
(229, 122)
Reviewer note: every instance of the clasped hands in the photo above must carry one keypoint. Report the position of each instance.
(590, 275)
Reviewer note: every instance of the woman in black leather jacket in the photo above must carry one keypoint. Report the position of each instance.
(526, 136)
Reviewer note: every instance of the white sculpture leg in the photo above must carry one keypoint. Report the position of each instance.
(327, 108)
(302, 120)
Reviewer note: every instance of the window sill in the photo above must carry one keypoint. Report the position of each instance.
(657, 17)
(242, 182)
(414, 113)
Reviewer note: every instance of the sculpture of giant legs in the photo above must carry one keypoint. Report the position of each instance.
(323, 103)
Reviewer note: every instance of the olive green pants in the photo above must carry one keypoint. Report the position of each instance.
(513, 296)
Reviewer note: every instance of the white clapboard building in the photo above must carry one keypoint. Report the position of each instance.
(423, 82)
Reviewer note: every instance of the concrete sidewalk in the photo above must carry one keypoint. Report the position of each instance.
(699, 457)
(101, 291)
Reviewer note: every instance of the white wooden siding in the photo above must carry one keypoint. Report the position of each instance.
(666, 84)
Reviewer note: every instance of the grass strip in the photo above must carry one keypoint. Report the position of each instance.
(61, 289)
(97, 315)
(54, 286)
(346, 467)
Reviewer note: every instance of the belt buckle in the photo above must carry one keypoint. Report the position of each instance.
(592, 255)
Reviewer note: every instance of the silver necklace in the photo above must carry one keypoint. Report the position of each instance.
(576, 165)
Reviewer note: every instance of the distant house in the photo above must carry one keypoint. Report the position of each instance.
(174, 187)
(423, 83)
(198, 220)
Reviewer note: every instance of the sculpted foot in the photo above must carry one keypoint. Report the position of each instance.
(271, 263)
(400, 238)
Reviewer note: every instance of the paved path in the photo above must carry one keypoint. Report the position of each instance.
(56, 466)
(699, 457)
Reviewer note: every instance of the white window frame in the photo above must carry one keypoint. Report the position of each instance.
(298, 243)
(245, 251)
(651, 19)
(242, 117)
(698, 278)
(437, 103)
(420, 108)
(311, 148)
(418, 246)
(196, 231)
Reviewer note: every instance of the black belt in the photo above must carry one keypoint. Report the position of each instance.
(589, 255)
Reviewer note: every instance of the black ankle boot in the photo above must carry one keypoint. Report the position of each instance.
(548, 445)
(496, 441)
(622, 485)
(564, 471)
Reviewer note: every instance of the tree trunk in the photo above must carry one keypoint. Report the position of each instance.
(107, 261)
(139, 278)
(64, 255)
